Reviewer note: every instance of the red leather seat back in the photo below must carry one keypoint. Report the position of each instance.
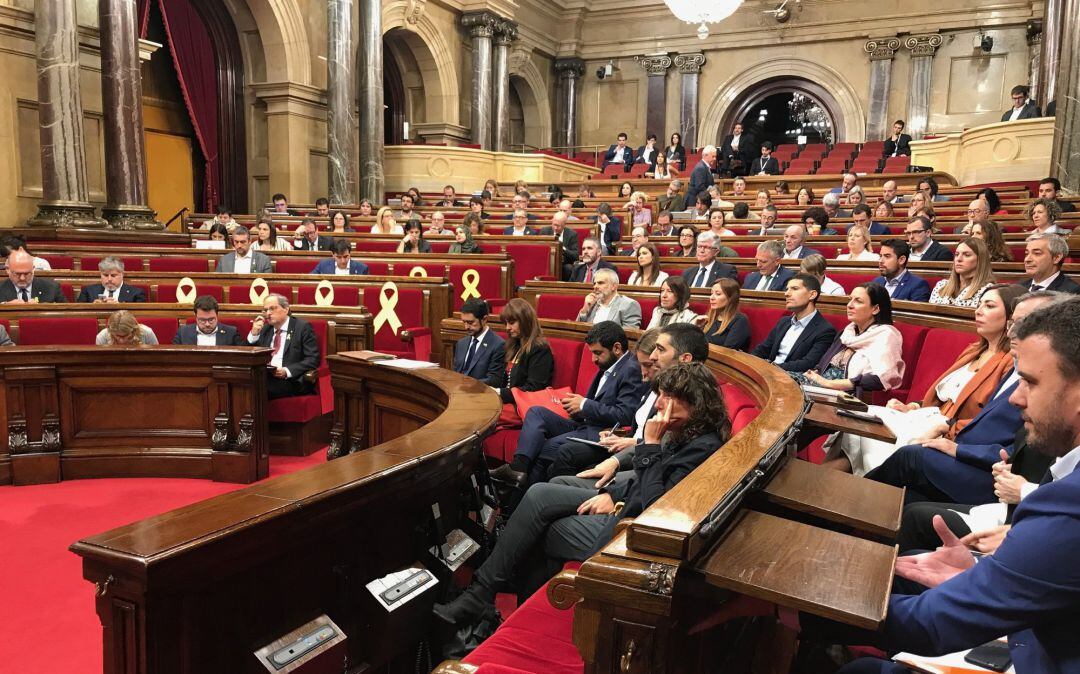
(440, 246)
(344, 296)
(762, 321)
(37, 331)
(164, 327)
(409, 310)
(914, 339)
(838, 321)
(530, 261)
(586, 371)
(559, 307)
(60, 261)
(130, 263)
(377, 268)
(376, 246)
(850, 279)
(241, 294)
(291, 265)
(940, 349)
(241, 323)
(648, 304)
(567, 355)
(488, 283)
(184, 264)
(405, 267)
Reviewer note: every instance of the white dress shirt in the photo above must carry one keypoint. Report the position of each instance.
(338, 271)
(203, 339)
(242, 265)
(642, 415)
(1015, 114)
(793, 255)
(792, 336)
(916, 256)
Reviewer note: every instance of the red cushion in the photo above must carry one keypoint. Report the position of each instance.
(762, 321)
(939, 351)
(60, 261)
(489, 283)
(851, 279)
(296, 409)
(744, 417)
(736, 398)
(567, 355)
(586, 371)
(130, 263)
(909, 353)
(36, 331)
(377, 268)
(292, 265)
(241, 294)
(409, 310)
(344, 296)
(166, 292)
(559, 307)
(530, 261)
(405, 267)
(164, 327)
(838, 321)
(439, 246)
(185, 264)
(376, 246)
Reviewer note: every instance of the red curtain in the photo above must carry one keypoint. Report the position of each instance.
(196, 67)
(144, 17)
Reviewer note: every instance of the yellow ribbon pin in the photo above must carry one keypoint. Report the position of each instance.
(324, 294)
(186, 291)
(418, 271)
(259, 291)
(470, 279)
(387, 303)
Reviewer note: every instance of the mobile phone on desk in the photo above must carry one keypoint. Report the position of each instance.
(856, 414)
(993, 656)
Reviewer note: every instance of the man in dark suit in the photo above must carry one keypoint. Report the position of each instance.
(568, 239)
(591, 261)
(701, 177)
(671, 200)
(895, 277)
(736, 152)
(1043, 256)
(708, 271)
(481, 354)
(1023, 107)
(112, 287)
(899, 143)
(919, 234)
(295, 348)
(619, 153)
(207, 331)
(521, 225)
(766, 164)
(861, 215)
(610, 228)
(646, 154)
(794, 240)
(611, 400)
(307, 237)
(341, 264)
(769, 275)
(798, 342)
(1049, 189)
(21, 285)
(663, 226)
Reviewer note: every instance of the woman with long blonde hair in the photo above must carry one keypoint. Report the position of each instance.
(971, 275)
(123, 329)
(385, 222)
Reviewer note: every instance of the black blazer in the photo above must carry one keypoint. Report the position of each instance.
(532, 372)
(901, 147)
(612, 233)
(814, 341)
(718, 270)
(628, 157)
(488, 363)
(1029, 111)
(769, 166)
(301, 347)
(701, 179)
(322, 243)
(226, 336)
(571, 249)
(620, 398)
(45, 290)
(578, 275)
(639, 156)
(127, 293)
(678, 154)
(1062, 284)
(735, 336)
(743, 153)
(937, 253)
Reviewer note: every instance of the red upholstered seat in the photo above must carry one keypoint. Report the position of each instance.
(735, 398)
(762, 321)
(743, 417)
(744, 251)
(68, 290)
(164, 327)
(559, 307)
(185, 264)
(241, 323)
(410, 312)
(567, 356)
(405, 267)
(838, 321)
(377, 268)
(241, 294)
(586, 371)
(850, 279)
(530, 261)
(60, 261)
(377, 246)
(37, 331)
(614, 170)
(648, 304)
(166, 292)
(440, 246)
(297, 409)
(292, 265)
(624, 272)
(488, 283)
(130, 263)
(939, 351)
(344, 296)
(914, 339)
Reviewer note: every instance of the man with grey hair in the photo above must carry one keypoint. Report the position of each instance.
(294, 346)
(708, 271)
(639, 236)
(671, 200)
(112, 287)
(243, 260)
(769, 275)
(1043, 256)
(831, 203)
(847, 184)
(702, 175)
(794, 240)
(605, 303)
(568, 239)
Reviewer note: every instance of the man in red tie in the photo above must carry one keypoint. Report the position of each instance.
(294, 345)
(592, 260)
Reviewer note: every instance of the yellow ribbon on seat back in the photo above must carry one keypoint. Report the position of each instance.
(259, 291)
(324, 294)
(387, 304)
(186, 292)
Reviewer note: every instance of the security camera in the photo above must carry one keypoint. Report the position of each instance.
(984, 42)
(605, 71)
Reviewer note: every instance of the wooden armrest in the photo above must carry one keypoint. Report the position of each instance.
(311, 376)
(621, 525)
(408, 334)
(561, 591)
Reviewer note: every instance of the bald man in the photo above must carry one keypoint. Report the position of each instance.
(21, 286)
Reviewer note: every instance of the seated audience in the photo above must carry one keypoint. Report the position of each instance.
(647, 153)
(112, 287)
(919, 200)
(930, 186)
(605, 303)
(570, 523)
(762, 199)
(1049, 189)
(950, 403)
(663, 225)
(816, 222)
(476, 207)
(307, 237)
(794, 238)
(437, 224)
(529, 363)
(831, 204)
(738, 186)
(1043, 215)
(804, 197)
(675, 152)
(978, 214)
(672, 200)
(662, 170)
(971, 275)
(648, 271)
(481, 354)
(366, 208)
(14, 243)
(798, 341)
(322, 207)
(463, 241)
(449, 199)
(243, 260)
(223, 216)
(855, 197)
(639, 236)
(221, 233)
(407, 210)
(990, 234)
(413, 241)
(123, 329)
(725, 325)
(890, 193)
(339, 223)
(267, 237)
(769, 275)
(709, 268)
(920, 238)
(767, 220)
(847, 183)
(567, 209)
(1023, 107)
(674, 306)
(206, 330)
(520, 186)
(740, 212)
(281, 205)
(341, 264)
(520, 202)
(592, 260)
(766, 164)
(1043, 256)
(702, 206)
(610, 227)
(474, 223)
(866, 356)
(860, 245)
(636, 211)
(993, 201)
(899, 143)
(293, 345)
(814, 265)
(568, 240)
(717, 227)
(883, 210)
(385, 222)
(895, 277)
(687, 242)
(491, 186)
(782, 188)
(619, 154)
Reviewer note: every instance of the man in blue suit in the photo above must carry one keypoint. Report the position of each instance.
(798, 341)
(619, 153)
(482, 354)
(898, 281)
(611, 400)
(206, 330)
(342, 263)
(1029, 587)
(770, 275)
(701, 177)
(862, 216)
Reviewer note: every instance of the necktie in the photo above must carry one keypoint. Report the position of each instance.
(588, 274)
(468, 356)
(25, 294)
(112, 294)
(700, 277)
(765, 282)
(277, 340)
(1036, 287)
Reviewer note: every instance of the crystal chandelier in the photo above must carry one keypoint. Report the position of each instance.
(809, 115)
(703, 12)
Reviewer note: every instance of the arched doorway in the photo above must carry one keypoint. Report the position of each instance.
(785, 110)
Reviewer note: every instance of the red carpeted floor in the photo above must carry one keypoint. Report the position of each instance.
(46, 608)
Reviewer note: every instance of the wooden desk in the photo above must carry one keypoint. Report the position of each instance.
(825, 417)
(162, 411)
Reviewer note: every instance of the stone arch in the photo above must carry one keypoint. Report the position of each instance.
(848, 113)
(529, 84)
(286, 52)
(432, 53)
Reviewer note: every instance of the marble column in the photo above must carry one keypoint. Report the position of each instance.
(656, 65)
(922, 48)
(341, 122)
(121, 97)
(1035, 80)
(65, 195)
(1065, 160)
(372, 124)
(1053, 38)
(690, 67)
(569, 71)
(505, 34)
(881, 53)
(481, 27)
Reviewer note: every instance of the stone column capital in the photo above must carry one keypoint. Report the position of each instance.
(570, 67)
(1034, 31)
(923, 45)
(506, 32)
(480, 24)
(690, 64)
(882, 48)
(656, 65)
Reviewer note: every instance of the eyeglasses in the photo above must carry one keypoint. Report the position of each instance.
(913, 232)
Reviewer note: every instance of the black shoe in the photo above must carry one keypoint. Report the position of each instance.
(506, 475)
(464, 610)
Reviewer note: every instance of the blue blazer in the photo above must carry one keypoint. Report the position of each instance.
(911, 288)
(327, 267)
(815, 340)
(628, 157)
(701, 179)
(488, 363)
(1028, 589)
(619, 399)
(779, 282)
(807, 252)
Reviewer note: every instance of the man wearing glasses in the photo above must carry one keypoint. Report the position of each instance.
(207, 331)
(1022, 107)
(22, 287)
(923, 247)
(708, 270)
